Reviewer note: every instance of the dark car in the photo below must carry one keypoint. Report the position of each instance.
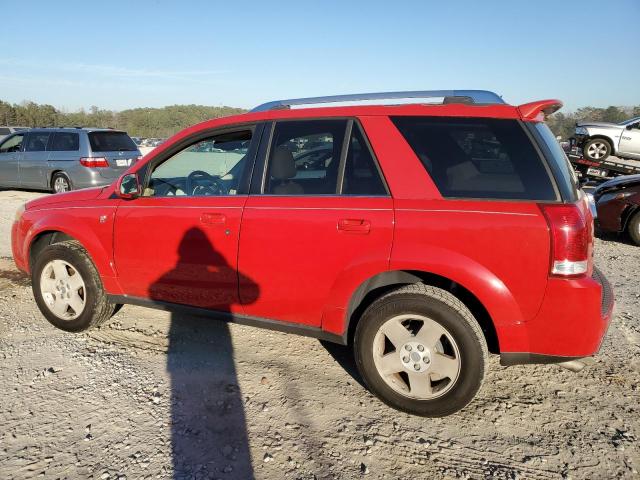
(618, 205)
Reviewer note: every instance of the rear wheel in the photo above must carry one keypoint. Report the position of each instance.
(596, 149)
(420, 350)
(60, 183)
(634, 228)
(67, 288)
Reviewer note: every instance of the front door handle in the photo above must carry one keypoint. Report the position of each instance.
(213, 219)
(354, 225)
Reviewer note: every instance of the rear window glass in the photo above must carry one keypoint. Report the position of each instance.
(563, 170)
(65, 142)
(5, 131)
(478, 157)
(111, 142)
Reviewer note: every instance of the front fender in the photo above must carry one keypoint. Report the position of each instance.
(91, 226)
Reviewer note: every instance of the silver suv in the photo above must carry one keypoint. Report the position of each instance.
(598, 140)
(63, 159)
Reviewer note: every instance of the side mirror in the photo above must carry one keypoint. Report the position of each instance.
(128, 186)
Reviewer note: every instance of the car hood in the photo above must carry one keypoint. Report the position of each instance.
(599, 125)
(623, 181)
(57, 198)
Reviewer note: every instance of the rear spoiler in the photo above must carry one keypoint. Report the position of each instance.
(536, 111)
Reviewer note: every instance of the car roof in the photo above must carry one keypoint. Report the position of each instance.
(72, 129)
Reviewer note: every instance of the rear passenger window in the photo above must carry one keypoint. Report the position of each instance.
(478, 157)
(37, 142)
(361, 175)
(304, 157)
(65, 142)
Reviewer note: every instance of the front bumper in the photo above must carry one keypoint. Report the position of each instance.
(571, 324)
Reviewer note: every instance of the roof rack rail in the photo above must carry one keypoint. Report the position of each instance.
(450, 96)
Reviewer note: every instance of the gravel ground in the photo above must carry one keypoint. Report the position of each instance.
(151, 395)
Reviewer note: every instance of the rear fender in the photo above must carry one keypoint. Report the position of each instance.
(477, 279)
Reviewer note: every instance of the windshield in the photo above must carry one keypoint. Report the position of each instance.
(630, 121)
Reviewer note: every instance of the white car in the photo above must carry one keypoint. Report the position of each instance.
(598, 140)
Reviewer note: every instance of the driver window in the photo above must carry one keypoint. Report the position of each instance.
(213, 166)
(12, 144)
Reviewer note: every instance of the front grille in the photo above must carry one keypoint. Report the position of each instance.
(607, 292)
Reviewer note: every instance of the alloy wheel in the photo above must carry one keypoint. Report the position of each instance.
(597, 150)
(416, 356)
(63, 289)
(61, 184)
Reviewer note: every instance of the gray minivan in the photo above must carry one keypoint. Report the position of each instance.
(63, 159)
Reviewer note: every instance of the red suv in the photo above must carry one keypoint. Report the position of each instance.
(426, 235)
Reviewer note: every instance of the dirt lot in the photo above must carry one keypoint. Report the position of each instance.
(151, 395)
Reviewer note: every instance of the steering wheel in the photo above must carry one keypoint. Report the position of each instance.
(212, 186)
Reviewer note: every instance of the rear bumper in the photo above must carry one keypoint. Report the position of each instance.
(571, 324)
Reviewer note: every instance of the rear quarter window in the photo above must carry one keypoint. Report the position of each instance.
(111, 142)
(65, 142)
(478, 157)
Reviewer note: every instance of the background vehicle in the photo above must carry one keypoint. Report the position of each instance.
(6, 131)
(618, 205)
(405, 242)
(63, 159)
(598, 140)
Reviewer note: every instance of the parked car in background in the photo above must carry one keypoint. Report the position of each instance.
(423, 235)
(598, 140)
(618, 205)
(63, 159)
(6, 131)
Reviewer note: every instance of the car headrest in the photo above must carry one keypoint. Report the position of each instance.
(283, 167)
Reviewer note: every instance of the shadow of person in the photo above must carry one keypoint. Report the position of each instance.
(208, 428)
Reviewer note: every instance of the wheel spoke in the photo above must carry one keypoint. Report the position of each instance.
(396, 332)
(420, 384)
(60, 307)
(60, 270)
(444, 365)
(48, 285)
(76, 302)
(389, 364)
(75, 282)
(430, 333)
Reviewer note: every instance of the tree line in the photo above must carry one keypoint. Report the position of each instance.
(165, 121)
(138, 122)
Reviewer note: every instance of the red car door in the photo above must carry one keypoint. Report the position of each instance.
(322, 219)
(178, 242)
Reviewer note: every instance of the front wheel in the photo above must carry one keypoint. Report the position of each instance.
(67, 288)
(420, 350)
(596, 149)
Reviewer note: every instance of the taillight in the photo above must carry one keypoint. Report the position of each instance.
(94, 162)
(571, 239)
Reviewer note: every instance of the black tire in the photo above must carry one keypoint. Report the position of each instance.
(633, 227)
(97, 309)
(60, 178)
(446, 310)
(604, 147)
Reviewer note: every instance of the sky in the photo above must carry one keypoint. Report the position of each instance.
(124, 54)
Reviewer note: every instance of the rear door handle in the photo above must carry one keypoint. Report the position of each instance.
(213, 219)
(354, 225)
